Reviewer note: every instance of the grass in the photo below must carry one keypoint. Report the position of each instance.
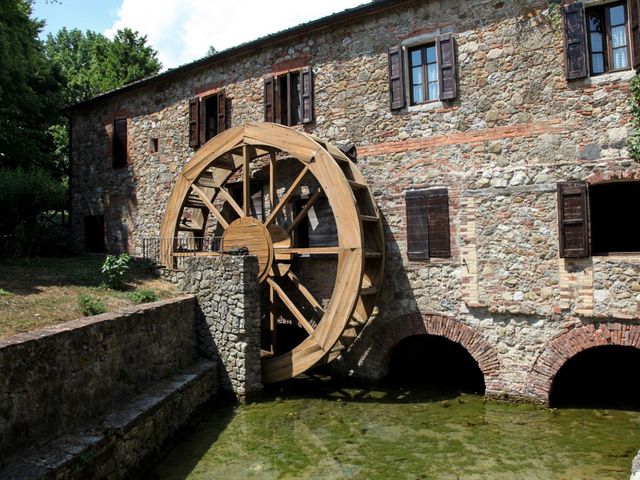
(39, 292)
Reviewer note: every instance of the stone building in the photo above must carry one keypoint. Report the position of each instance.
(492, 134)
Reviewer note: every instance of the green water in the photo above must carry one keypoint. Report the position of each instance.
(327, 433)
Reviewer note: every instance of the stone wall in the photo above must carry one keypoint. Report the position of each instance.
(516, 129)
(54, 380)
(228, 322)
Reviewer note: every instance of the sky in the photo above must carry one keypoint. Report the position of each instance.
(182, 30)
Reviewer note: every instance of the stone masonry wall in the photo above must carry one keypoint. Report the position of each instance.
(56, 379)
(516, 129)
(228, 322)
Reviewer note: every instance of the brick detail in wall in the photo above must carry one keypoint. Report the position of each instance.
(469, 251)
(378, 354)
(576, 284)
(475, 136)
(566, 345)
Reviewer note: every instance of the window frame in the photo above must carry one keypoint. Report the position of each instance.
(603, 12)
(425, 67)
(279, 97)
(119, 147)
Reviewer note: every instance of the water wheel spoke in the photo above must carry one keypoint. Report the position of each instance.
(305, 292)
(229, 199)
(314, 198)
(309, 250)
(291, 306)
(283, 201)
(273, 314)
(272, 180)
(246, 179)
(216, 213)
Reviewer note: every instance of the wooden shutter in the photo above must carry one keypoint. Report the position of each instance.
(306, 95)
(634, 18)
(278, 97)
(446, 51)
(119, 142)
(269, 99)
(396, 78)
(438, 223)
(575, 41)
(194, 122)
(222, 112)
(573, 219)
(202, 122)
(417, 234)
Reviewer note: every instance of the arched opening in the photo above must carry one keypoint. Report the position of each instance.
(599, 377)
(435, 362)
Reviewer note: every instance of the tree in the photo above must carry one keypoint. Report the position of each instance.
(211, 51)
(30, 89)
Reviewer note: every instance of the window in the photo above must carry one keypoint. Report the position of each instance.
(207, 118)
(153, 145)
(599, 39)
(431, 71)
(119, 143)
(423, 72)
(428, 224)
(288, 97)
(597, 218)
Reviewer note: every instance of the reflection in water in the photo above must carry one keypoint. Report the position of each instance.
(313, 430)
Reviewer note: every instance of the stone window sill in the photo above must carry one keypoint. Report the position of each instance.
(606, 78)
(425, 107)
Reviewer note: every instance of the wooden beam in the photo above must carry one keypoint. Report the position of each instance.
(212, 209)
(309, 250)
(229, 199)
(314, 198)
(290, 305)
(246, 178)
(307, 294)
(272, 180)
(273, 314)
(283, 201)
(197, 254)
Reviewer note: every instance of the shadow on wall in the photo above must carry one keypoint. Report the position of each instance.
(398, 346)
(599, 377)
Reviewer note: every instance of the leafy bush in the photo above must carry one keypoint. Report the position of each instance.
(40, 240)
(143, 296)
(89, 305)
(25, 194)
(633, 142)
(114, 270)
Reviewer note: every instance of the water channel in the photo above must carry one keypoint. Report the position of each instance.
(313, 429)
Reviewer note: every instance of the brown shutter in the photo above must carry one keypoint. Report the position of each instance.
(278, 114)
(194, 122)
(417, 234)
(634, 17)
(204, 114)
(446, 51)
(396, 78)
(575, 41)
(222, 112)
(438, 223)
(269, 100)
(306, 94)
(573, 219)
(119, 142)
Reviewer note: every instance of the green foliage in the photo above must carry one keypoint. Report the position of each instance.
(42, 240)
(91, 64)
(89, 305)
(4, 293)
(25, 194)
(143, 296)
(30, 90)
(114, 270)
(633, 142)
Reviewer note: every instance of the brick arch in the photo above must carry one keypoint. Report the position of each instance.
(385, 340)
(568, 344)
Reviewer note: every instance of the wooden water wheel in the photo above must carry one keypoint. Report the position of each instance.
(215, 194)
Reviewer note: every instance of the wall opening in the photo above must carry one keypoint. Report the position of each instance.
(94, 233)
(599, 377)
(613, 228)
(435, 362)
